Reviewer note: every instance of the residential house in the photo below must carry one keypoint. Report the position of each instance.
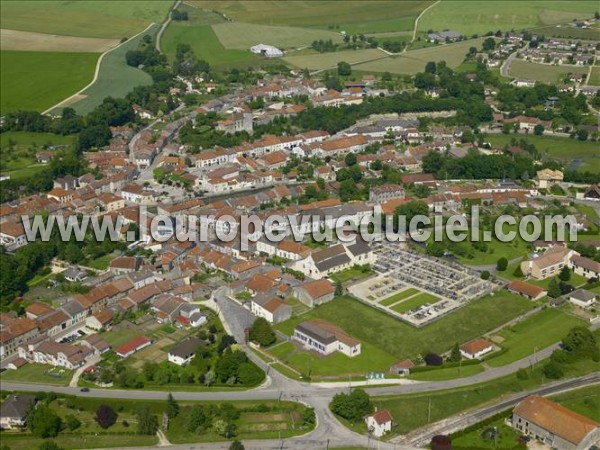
(547, 265)
(583, 298)
(383, 193)
(546, 178)
(96, 343)
(14, 411)
(585, 266)
(379, 423)
(57, 354)
(100, 320)
(183, 352)
(12, 235)
(402, 367)
(273, 309)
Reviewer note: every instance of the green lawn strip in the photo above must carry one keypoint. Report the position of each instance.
(585, 401)
(535, 333)
(100, 263)
(351, 274)
(38, 80)
(447, 373)
(78, 440)
(411, 411)
(415, 302)
(399, 296)
(38, 373)
(401, 340)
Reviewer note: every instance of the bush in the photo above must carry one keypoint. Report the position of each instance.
(485, 275)
(106, 416)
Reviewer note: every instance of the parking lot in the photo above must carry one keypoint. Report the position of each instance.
(418, 288)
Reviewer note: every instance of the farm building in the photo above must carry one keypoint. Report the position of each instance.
(527, 290)
(554, 424)
(266, 50)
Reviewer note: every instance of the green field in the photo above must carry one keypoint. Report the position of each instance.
(115, 78)
(18, 151)
(535, 333)
(205, 44)
(412, 411)
(470, 17)
(414, 61)
(38, 80)
(542, 72)
(404, 341)
(415, 302)
(39, 373)
(353, 17)
(569, 32)
(319, 61)
(399, 296)
(585, 401)
(595, 77)
(351, 274)
(447, 373)
(560, 149)
(242, 36)
(101, 19)
(371, 359)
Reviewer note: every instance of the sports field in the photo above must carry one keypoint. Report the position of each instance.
(242, 36)
(30, 41)
(115, 77)
(542, 72)
(38, 80)
(414, 61)
(319, 61)
(585, 155)
(98, 19)
(350, 16)
(404, 341)
(470, 17)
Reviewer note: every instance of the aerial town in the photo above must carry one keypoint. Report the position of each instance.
(291, 225)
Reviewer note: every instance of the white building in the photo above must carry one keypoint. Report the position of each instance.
(325, 338)
(379, 422)
(183, 352)
(266, 50)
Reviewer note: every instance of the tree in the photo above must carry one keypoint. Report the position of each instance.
(344, 69)
(538, 130)
(353, 406)
(308, 417)
(485, 275)
(43, 422)
(237, 445)
(431, 67)
(106, 416)
(565, 274)
(350, 159)
(147, 422)
(262, 332)
(502, 264)
(553, 370)
(455, 354)
(197, 420)
(172, 408)
(339, 288)
(582, 135)
(49, 445)
(433, 359)
(72, 422)
(580, 343)
(489, 44)
(554, 289)
(209, 378)
(518, 273)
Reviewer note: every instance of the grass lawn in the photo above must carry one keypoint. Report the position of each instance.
(542, 72)
(414, 61)
(585, 401)
(38, 80)
(415, 302)
(101, 19)
(371, 359)
(507, 439)
(78, 440)
(404, 341)
(205, 44)
(39, 373)
(242, 36)
(447, 373)
(354, 17)
(560, 149)
(119, 337)
(115, 78)
(399, 296)
(536, 332)
(595, 78)
(476, 17)
(100, 263)
(18, 151)
(351, 274)
(411, 411)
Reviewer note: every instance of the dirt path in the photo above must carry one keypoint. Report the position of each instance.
(165, 25)
(414, 34)
(67, 100)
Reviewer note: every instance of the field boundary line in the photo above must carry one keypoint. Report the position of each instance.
(96, 72)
